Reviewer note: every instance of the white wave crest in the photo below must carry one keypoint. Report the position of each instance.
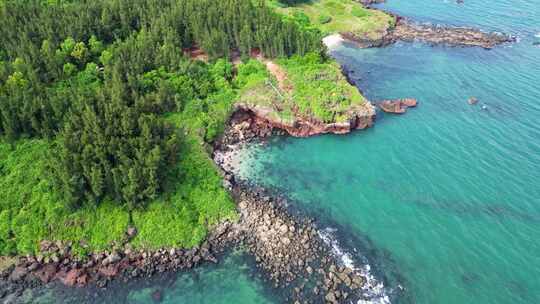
(373, 290)
(333, 41)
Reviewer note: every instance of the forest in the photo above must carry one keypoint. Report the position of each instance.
(106, 121)
(103, 116)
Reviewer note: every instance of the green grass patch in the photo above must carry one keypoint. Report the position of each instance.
(319, 90)
(339, 16)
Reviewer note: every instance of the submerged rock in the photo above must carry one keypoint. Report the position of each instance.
(472, 100)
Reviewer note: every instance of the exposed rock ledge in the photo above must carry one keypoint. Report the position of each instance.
(263, 121)
(397, 106)
(406, 30)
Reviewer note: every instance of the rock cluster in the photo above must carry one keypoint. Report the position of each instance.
(397, 106)
(290, 251)
(252, 121)
(370, 2)
(454, 36)
(56, 263)
(406, 30)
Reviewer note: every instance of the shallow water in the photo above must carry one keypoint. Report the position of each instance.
(450, 191)
(232, 281)
(443, 201)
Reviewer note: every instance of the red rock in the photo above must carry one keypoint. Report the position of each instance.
(397, 106)
(392, 106)
(71, 278)
(473, 100)
(262, 122)
(109, 271)
(409, 102)
(46, 273)
(18, 273)
(82, 280)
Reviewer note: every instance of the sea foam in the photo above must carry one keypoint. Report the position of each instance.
(333, 41)
(373, 291)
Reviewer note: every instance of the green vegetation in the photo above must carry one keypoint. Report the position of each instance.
(105, 124)
(313, 87)
(337, 16)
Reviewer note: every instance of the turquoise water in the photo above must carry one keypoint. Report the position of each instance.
(232, 281)
(451, 192)
(443, 202)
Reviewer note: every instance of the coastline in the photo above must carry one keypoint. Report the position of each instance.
(408, 30)
(126, 264)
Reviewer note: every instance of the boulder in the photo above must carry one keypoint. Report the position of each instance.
(46, 273)
(71, 278)
(18, 274)
(131, 232)
(331, 298)
(109, 271)
(397, 106)
(45, 245)
(472, 100)
(111, 259)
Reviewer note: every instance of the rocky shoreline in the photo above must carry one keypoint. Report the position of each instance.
(56, 263)
(289, 249)
(407, 30)
(291, 254)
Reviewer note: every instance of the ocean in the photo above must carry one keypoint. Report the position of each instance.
(439, 205)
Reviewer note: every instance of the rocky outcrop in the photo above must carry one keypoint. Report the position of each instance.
(409, 31)
(254, 121)
(57, 263)
(290, 251)
(406, 30)
(472, 100)
(397, 106)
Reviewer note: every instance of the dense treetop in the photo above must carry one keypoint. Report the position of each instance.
(96, 77)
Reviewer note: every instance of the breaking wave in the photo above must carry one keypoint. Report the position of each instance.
(373, 291)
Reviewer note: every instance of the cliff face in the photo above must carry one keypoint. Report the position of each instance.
(262, 123)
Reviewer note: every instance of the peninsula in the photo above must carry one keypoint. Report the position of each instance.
(110, 112)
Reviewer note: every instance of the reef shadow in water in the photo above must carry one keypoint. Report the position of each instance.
(497, 211)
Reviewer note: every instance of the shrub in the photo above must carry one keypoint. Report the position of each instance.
(323, 19)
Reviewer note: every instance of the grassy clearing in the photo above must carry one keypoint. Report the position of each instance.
(338, 16)
(319, 90)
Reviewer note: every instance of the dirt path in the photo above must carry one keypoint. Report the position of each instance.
(280, 74)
